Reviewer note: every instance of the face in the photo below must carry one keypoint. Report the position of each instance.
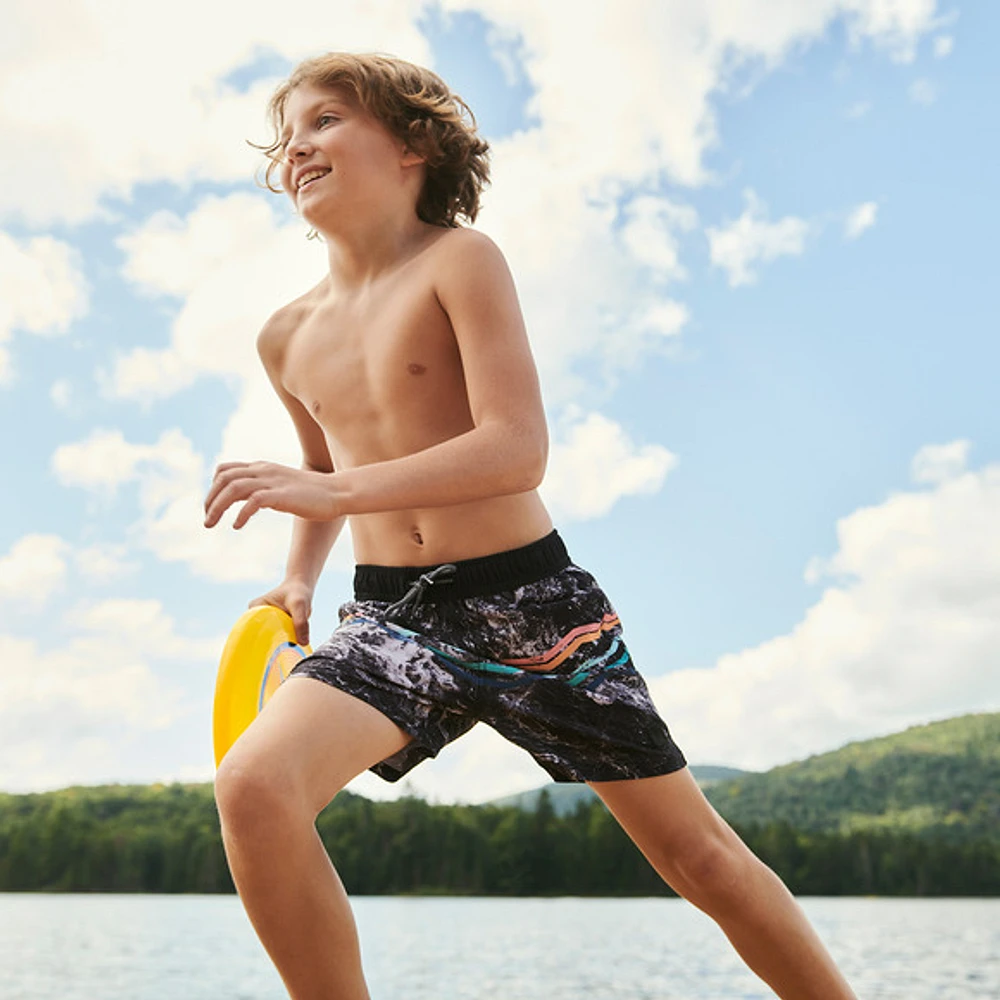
(355, 159)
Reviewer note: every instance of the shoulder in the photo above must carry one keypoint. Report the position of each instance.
(281, 324)
(467, 261)
(464, 245)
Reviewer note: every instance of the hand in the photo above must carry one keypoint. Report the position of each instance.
(295, 598)
(302, 492)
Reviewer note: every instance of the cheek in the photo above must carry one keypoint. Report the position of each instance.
(283, 173)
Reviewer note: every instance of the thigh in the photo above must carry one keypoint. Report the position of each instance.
(669, 819)
(311, 739)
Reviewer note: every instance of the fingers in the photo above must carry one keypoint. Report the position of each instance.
(232, 481)
(297, 608)
(221, 493)
(256, 500)
(244, 488)
(301, 630)
(224, 474)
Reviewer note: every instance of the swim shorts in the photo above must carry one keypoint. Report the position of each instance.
(523, 640)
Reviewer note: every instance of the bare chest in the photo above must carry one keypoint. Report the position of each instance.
(373, 363)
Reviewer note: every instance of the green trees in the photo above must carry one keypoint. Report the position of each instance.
(916, 813)
(166, 839)
(938, 781)
(114, 839)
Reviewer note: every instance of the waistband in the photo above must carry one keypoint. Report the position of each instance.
(477, 577)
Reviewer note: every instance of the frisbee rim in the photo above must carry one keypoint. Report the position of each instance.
(249, 654)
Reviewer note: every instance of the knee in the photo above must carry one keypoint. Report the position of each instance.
(251, 794)
(716, 874)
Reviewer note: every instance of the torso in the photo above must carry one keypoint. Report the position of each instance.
(381, 374)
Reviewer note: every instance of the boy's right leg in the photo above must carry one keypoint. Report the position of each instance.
(310, 741)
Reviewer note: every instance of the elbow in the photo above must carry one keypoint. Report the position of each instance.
(528, 470)
(518, 456)
(539, 463)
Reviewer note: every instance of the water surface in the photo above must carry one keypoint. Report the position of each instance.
(113, 947)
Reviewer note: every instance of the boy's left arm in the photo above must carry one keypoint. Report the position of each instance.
(504, 453)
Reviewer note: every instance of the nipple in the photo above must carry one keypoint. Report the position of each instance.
(415, 368)
(316, 406)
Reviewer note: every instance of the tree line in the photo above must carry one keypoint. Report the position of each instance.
(167, 839)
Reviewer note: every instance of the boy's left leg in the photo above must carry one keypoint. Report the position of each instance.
(700, 856)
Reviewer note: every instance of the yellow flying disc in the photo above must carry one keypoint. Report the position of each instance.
(260, 653)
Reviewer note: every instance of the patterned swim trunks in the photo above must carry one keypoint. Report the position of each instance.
(522, 640)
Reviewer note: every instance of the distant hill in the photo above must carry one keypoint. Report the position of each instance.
(940, 780)
(566, 797)
(937, 780)
(917, 813)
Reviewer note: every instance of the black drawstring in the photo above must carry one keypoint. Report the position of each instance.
(415, 595)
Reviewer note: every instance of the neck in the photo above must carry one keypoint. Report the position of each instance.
(358, 254)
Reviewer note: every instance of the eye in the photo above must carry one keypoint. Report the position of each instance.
(323, 118)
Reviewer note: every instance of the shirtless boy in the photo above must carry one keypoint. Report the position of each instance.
(409, 379)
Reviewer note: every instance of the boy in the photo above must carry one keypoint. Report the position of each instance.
(409, 379)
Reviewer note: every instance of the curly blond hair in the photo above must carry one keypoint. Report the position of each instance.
(416, 106)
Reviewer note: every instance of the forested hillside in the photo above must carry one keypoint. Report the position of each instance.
(910, 814)
(939, 780)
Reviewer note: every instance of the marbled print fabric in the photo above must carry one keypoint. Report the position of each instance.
(544, 664)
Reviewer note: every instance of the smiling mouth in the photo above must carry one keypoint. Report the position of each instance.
(312, 180)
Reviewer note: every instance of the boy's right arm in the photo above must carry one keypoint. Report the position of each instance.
(311, 540)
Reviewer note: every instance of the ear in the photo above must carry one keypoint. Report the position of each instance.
(410, 158)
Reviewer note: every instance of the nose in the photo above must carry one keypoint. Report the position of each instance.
(297, 148)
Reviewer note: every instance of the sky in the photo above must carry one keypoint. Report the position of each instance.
(753, 244)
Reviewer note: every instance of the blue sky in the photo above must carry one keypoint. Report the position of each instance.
(798, 517)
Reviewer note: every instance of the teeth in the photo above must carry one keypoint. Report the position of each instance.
(311, 176)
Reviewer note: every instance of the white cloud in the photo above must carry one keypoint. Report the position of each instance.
(895, 25)
(935, 463)
(37, 565)
(859, 219)
(751, 240)
(593, 464)
(68, 712)
(667, 59)
(105, 460)
(943, 46)
(103, 563)
(145, 374)
(907, 630)
(173, 479)
(480, 766)
(42, 290)
(649, 233)
(175, 121)
(33, 570)
(666, 318)
(61, 393)
(182, 124)
(172, 484)
(140, 623)
(923, 91)
(231, 264)
(858, 110)
(584, 156)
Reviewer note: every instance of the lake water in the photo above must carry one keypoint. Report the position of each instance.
(108, 947)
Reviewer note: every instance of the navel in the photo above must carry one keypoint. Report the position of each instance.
(417, 537)
(414, 368)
